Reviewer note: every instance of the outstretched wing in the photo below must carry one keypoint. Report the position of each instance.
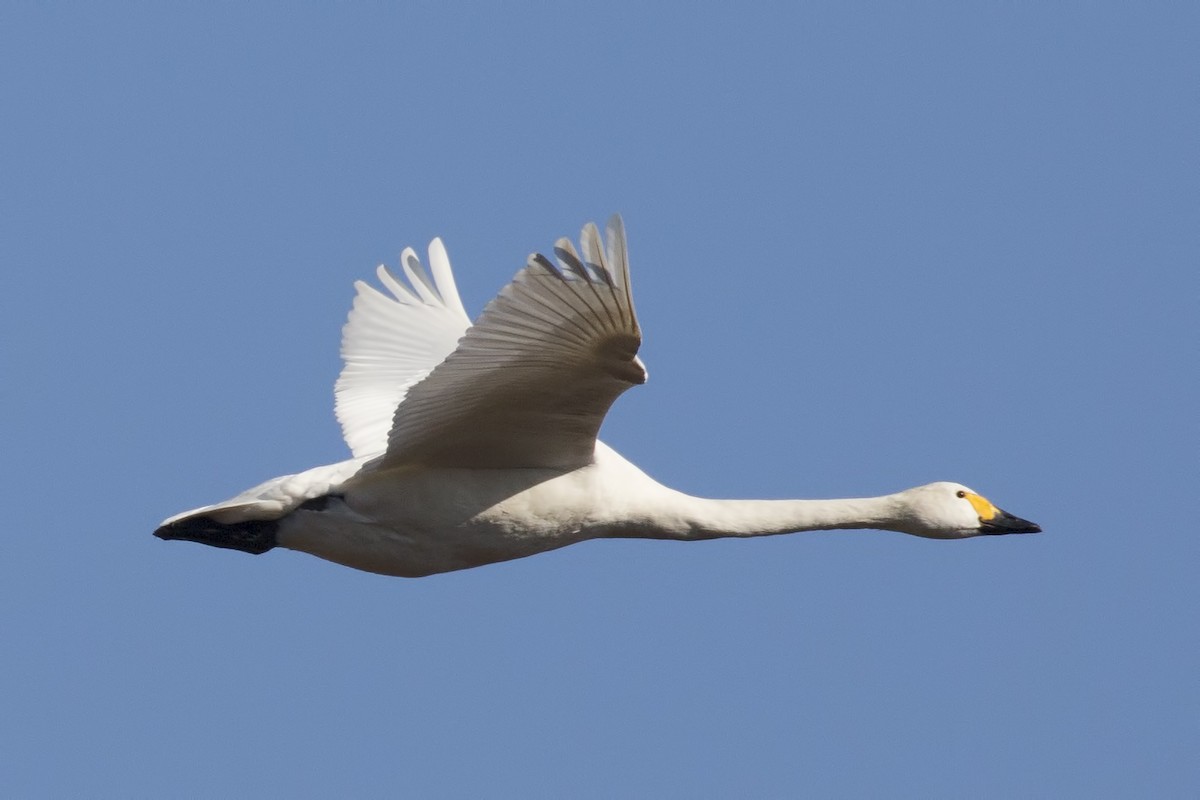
(391, 343)
(531, 381)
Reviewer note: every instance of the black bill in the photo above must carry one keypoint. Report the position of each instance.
(1005, 522)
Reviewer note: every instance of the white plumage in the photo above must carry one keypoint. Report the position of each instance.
(477, 444)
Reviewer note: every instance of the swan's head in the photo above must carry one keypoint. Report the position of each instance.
(952, 511)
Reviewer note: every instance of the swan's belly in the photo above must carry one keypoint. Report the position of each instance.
(422, 522)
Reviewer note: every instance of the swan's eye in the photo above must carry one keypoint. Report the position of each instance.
(960, 493)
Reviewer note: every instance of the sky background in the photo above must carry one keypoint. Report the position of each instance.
(871, 246)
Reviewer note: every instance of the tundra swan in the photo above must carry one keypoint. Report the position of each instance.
(474, 444)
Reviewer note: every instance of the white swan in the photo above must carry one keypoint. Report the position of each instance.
(477, 444)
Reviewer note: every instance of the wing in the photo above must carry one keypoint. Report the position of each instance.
(390, 343)
(531, 381)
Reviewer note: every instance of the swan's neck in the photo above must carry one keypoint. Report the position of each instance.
(699, 518)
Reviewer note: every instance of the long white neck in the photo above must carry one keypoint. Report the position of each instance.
(643, 508)
(680, 516)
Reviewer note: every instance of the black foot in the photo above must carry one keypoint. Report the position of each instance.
(253, 536)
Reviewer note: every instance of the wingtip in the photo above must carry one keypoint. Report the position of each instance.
(618, 249)
(615, 228)
(443, 275)
(569, 260)
(593, 252)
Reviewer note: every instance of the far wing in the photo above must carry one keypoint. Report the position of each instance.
(531, 381)
(391, 343)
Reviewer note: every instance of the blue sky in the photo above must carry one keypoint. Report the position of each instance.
(872, 246)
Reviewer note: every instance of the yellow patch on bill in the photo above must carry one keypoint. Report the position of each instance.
(982, 506)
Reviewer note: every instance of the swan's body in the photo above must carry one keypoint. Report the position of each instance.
(477, 444)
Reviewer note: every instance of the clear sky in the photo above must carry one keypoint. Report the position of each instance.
(872, 247)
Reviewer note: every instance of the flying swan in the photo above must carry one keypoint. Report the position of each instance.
(475, 444)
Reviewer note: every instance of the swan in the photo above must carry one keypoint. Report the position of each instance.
(475, 444)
